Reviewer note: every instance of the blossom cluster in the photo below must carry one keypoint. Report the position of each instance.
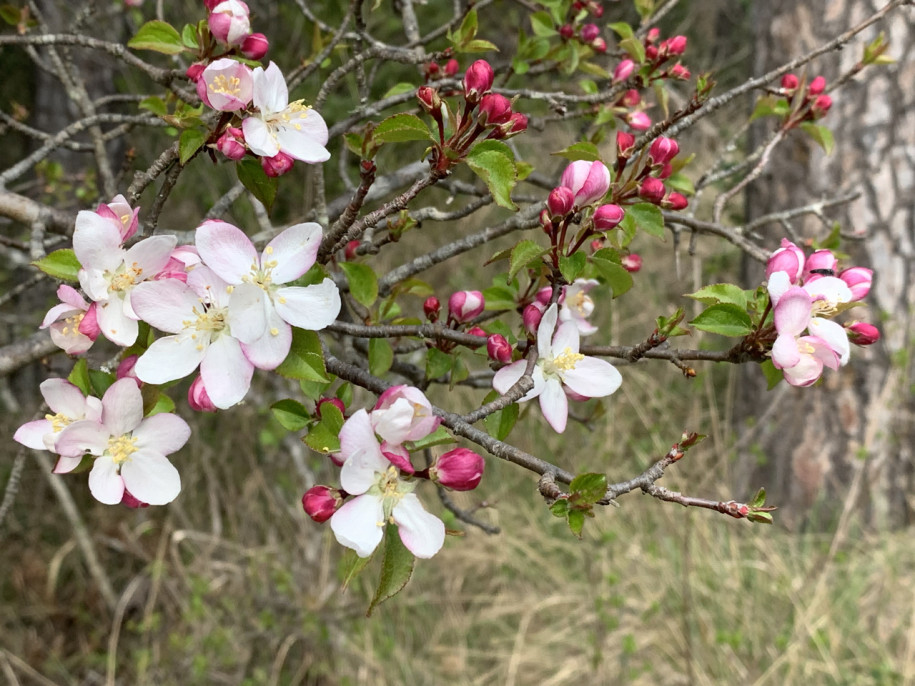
(378, 478)
(229, 22)
(806, 292)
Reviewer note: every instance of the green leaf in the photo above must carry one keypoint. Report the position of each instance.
(771, 374)
(10, 14)
(157, 36)
(189, 36)
(437, 363)
(721, 293)
(611, 271)
(499, 297)
(821, 135)
(363, 283)
(588, 488)
(399, 89)
(572, 266)
(252, 176)
(634, 47)
(647, 217)
(522, 255)
(79, 376)
(305, 361)
(770, 105)
(381, 356)
(622, 29)
(494, 162)
(60, 264)
(681, 183)
(478, 46)
(400, 128)
(725, 319)
(291, 414)
(161, 403)
(155, 105)
(542, 23)
(759, 499)
(580, 151)
(438, 437)
(100, 381)
(350, 566)
(576, 521)
(560, 508)
(323, 437)
(500, 424)
(396, 568)
(189, 144)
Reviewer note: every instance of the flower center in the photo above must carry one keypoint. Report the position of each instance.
(71, 324)
(226, 85)
(121, 448)
(125, 277)
(58, 422)
(293, 115)
(582, 304)
(563, 362)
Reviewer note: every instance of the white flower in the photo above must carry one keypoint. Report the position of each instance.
(577, 305)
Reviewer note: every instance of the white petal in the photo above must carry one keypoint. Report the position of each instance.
(566, 337)
(294, 251)
(170, 358)
(97, 242)
(360, 449)
(162, 433)
(150, 255)
(247, 316)
(63, 398)
(593, 378)
(270, 91)
(309, 307)
(834, 335)
(151, 478)
(226, 372)
(393, 424)
(301, 145)
(165, 304)
(31, 434)
(508, 376)
(226, 250)
(545, 332)
(114, 323)
(778, 284)
(122, 407)
(268, 351)
(105, 484)
(829, 288)
(785, 353)
(555, 405)
(359, 524)
(82, 437)
(422, 533)
(259, 137)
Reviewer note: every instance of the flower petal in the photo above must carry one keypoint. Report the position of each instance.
(309, 307)
(226, 372)
(170, 358)
(508, 376)
(63, 398)
(554, 404)
(422, 533)
(31, 434)
(116, 326)
(247, 315)
(122, 407)
(833, 334)
(226, 250)
(82, 437)
(359, 524)
(545, 332)
(792, 313)
(97, 242)
(294, 251)
(566, 339)
(105, 484)
(166, 304)
(360, 449)
(268, 351)
(151, 478)
(163, 433)
(593, 378)
(301, 145)
(149, 256)
(259, 138)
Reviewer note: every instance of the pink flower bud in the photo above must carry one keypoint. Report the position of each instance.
(652, 190)
(460, 469)
(651, 53)
(589, 181)
(431, 70)
(589, 32)
(229, 22)
(676, 45)
(495, 109)
(198, 398)
(517, 123)
(232, 144)
(429, 99)
(498, 348)
(122, 214)
(862, 333)
(320, 502)
(336, 402)
(652, 36)
(531, 317)
(638, 121)
(789, 83)
(596, 9)
(255, 46)
(566, 31)
(675, 201)
(131, 501)
(195, 71)
(432, 307)
(817, 86)
(277, 165)
(608, 217)
(544, 295)
(820, 106)
(560, 202)
(598, 45)
(623, 71)
(349, 252)
(466, 305)
(632, 262)
(789, 259)
(546, 223)
(210, 4)
(625, 142)
(476, 331)
(678, 71)
(858, 280)
(478, 80)
(451, 67)
(125, 369)
(630, 98)
(663, 150)
(226, 85)
(596, 245)
(820, 263)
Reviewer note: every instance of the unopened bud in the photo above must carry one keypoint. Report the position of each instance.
(858, 280)
(676, 45)
(623, 71)
(460, 469)
(466, 305)
(663, 150)
(678, 71)
(131, 501)
(652, 190)
(546, 222)
(625, 144)
(589, 32)
(632, 262)
(451, 67)
(498, 348)
(255, 46)
(429, 99)
(517, 123)
(566, 31)
(590, 181)
(231, 144)
(596, 244)
(476, 331)
(88, 325)
(789, 83)
(495, 109)
(862, 333)
(432, 307)
(478, 80)
(195, 71)
(652, 35)
(639, 121)
(349, 252)
(277, 165)
(531, 317)
(125, 369)
(820, 106)
(817, 86)
(675, 201)
(560, 202)
(608, 217)
(598, 45)
(651, 53)
(789, 259)
(320, 502)
(820, 263)
(229, 22)
(198, 398)
(631, 98)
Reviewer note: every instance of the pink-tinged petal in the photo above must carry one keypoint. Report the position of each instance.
(151, 478)
(70, 296)
(792, 314)
(268, 351)
(122, 407)
(301, 145)
(170, 358)
(58, 312)
(226, 372)
(545, 332)
(829, 288)
(359, 524)
(226, 250)
(150, 255)
(247, 316)
(259, 138)
(114, 323)
(162, 433)
(81, 437)
(566, 338)
(785, 353)
(360, 449)
(777, 285)
(508, 376)
(398, 456)
(821, 350)
(834, 335)
(309, 307)
(65, 465)
(393, 423)
(294, 251)
(105, 484)
(72, 342)
(555, 405)
(166, 305)
(31, 434)
(422, 533)
(805, 373)
(97, 242)
(63, 398)
(592, 378)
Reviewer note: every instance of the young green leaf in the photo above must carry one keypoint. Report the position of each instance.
(724, 319)
(494, 162)
(363, 283)
(305, 361)
(400, 128)
(252, 177)
(60, 264)
(381, 356)
(522, 255)
(396, 568)
(158, 36)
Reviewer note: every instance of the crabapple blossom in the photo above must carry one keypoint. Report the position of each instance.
(230, 21)
(862, 333)
(280, 125)
(817, 263)
(559, 202)
(381, 496)
(466, 305)
(232, 256)
(403, 413)
(663, 150)
(478, 80)
(589, 181)
(560, 366)
(576, 305)
(498, 348)
(459, 469)
(255, 46)
(226, 85)
(208, 320)
(277, 165)
(69, 405)
(532, 316)
(858, 280)
(623, 71)
(119, 210)
(789, 259)
(129, 450)
(73, 323)
(232, 144)
(638, 121)
(431, 308)
(652, 190)
(109, 273)
(608, 217)
(801, 358)
(494, 109)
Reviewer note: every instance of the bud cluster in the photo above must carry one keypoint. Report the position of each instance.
(229, 22)
(808, 102)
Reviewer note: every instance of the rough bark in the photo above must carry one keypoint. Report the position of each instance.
(847, 443)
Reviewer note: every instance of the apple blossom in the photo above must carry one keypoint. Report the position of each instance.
(280, 125)
(459, 469)
(277, 165)
(381, 496)
(819, 263)
(494, 109)
(320, 502)
(129, 450)
(623, 71)
(862, 333)
(652, 190)
(120, 211)
(589, 181)
(789, 259)
(226, 85)
(801, 358)
(498, 348)
(675, 201)
(608, 217)
(532, 316)
(232, 144)
(576, 305)
(466, 305)
(478, 80)
(639, 121)
(560, 365)
(625, 144)
(232, 256)
(230, 21)
(663, 150)
(73, 328)
(403, 413)
(858, 280)
(255, 46)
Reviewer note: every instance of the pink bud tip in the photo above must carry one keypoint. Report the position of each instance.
(349, 252)
(675, 201)
(858, 280)
(608, 217)
(598, 45)
(498, 348)
(131, 501)
(566, 31)
(560, 202)
(789, 83)
(460, 469)
(631, 98)
(589, 181)
(820, 106)
(195, 71)
(532, 315)
(789, 259)
(277, 165)
(589, 32)
(817, 86)
(476, 331)
(625, 142)
(676, 45)
(623, 71)
(231, 144)
(632, 263)
(125, 369)
(663, 150)
(639, 121)
(429, 99)
(466, 305)
(255, 46)
(198, 398)
(652, 190)
(451, 67)
(432, 307)
(495, 109)
(652, 35)
(320, 502)
(478, 80)
(862, 333)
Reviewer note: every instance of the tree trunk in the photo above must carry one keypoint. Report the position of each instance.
(849, 441)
